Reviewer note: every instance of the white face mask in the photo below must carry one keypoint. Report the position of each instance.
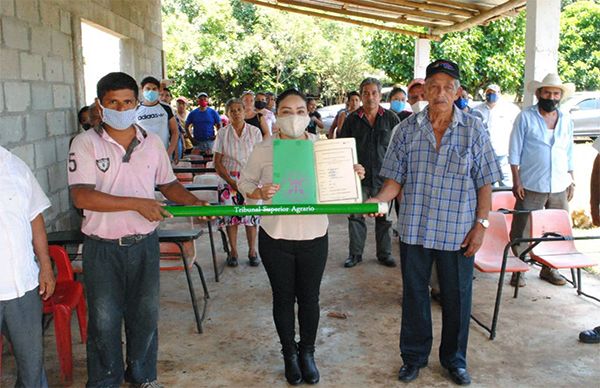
(120, 120)
(419, 106)
(293, 125)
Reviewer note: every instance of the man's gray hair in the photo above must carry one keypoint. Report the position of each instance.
(370, 81)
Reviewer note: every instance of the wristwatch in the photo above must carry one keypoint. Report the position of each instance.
(484, 222)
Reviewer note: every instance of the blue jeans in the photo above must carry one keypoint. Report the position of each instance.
(122, 284)
(204, 146)
(455, 273)
(21, 322)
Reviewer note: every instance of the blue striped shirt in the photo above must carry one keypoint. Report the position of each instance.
(439, 194)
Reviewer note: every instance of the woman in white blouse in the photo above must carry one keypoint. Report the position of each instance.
(293, 248)
(232, 148)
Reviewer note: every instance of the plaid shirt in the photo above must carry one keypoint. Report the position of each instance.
(439, 202)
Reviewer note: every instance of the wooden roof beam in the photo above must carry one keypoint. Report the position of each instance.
(481, 18)
(468, 6)
(374, 14)
(433, 7)
(387, 7)
(343, 19)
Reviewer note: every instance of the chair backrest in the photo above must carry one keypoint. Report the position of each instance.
(210, 164)
(552, 220)
(503, 200)
(495, 238)
(61, 260)
(209, 179)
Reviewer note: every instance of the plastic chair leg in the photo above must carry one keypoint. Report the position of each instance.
(82, 319)
(212, 250)
(62, 331)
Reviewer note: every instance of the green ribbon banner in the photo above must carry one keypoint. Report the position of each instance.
(276, 210)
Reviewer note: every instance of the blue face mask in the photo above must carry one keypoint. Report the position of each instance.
(119, 120)
(491, 97)
(397, 106)
(461, 103)
(151, 95)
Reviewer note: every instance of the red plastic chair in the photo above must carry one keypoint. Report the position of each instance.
(504, 200)
(559, 254)
(490, 258)
(68, 296)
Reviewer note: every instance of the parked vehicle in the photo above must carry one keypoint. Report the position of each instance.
(584, 108)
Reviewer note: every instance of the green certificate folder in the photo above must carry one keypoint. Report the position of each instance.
(294, 170)
(315, 173)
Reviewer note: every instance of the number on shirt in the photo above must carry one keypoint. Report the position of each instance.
(72, 162)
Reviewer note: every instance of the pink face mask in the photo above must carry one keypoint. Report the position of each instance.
(203, 103)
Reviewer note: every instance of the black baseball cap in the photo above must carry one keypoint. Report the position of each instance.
(443, 66)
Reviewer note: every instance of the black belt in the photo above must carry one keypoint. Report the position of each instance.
(124, 241)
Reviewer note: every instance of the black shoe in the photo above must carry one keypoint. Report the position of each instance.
(408, 373)
(460, 376)
(254, 261)
(293, 374)
(387, 261)
(590, 336)
(231, 261)
(310, 373)
(352, 260)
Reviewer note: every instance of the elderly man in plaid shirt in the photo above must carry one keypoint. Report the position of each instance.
(443, 161)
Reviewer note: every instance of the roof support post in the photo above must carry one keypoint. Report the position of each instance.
(541, 42)
(422, 50)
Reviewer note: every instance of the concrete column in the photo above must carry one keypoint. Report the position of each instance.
(422, 50)
(541, 42)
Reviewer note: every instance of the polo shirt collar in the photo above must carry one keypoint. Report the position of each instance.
(140, 136)
(361, 112)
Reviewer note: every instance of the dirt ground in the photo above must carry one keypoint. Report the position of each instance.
(536, 344)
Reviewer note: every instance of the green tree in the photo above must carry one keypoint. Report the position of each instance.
(579, 49)
(492, 53)
(225, 47)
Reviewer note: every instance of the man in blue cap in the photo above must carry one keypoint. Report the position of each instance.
(442, 160)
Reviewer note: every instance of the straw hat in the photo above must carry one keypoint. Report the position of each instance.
(552, 80)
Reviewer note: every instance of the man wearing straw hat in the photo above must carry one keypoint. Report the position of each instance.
(541, 160)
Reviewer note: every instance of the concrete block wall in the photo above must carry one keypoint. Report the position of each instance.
(41, 79)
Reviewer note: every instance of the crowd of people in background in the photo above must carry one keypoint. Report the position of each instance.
(432, 151)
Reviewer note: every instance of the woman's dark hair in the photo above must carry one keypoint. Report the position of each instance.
(287, 93)
(352, 93)
(168, 91)
(151, 80)
(396, 90)
(116, 81)
(81, 112)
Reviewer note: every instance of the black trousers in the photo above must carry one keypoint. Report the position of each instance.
(295, 269)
